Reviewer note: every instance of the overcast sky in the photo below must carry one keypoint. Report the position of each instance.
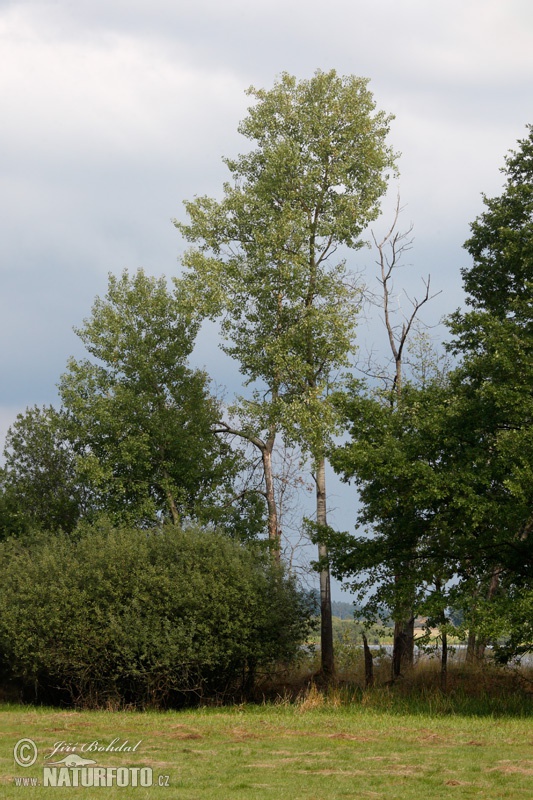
(115, 111)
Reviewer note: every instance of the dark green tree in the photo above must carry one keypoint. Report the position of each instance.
(501, 241)
(401, 546)
(495, 342)
(446, 481)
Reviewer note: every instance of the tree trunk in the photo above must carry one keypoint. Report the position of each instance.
(326, 619)
(471, 647)
(369, 663)
(273, 528)
(475, 649)
(171, 502)
(404, 646)
(444, 663)
(477, 644)
(265, 448)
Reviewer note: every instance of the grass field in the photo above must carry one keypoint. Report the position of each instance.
(378, 745)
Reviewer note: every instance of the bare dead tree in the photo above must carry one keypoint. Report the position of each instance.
(399, 325)
(391, 250)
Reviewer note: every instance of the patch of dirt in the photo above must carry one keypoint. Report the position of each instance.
(519, 767)
(342, 772)
(430, 737)
(76, 726)
(304, 753)
(403, 770)
(241, 735)
(283, 761)
(349, 737)
(180, 732)
(159, 764)
(370, 736)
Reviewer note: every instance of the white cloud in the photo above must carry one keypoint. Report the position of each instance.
(116, 98)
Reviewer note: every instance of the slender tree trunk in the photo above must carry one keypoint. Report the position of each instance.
(265, 448)
(478, 644)
(171, 502)
(444, 663)
(471, 641)
(404, 639)
(273, 527)
(326, 619)
(369, 663)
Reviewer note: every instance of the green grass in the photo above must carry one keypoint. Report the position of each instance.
(380, 745)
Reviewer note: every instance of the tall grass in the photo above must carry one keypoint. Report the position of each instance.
(474, 690)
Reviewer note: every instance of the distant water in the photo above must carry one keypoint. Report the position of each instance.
(456, 652)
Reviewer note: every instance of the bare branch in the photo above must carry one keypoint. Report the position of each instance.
(223, 427)
(391, 249)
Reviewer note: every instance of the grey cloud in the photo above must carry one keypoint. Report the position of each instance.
(114, 112)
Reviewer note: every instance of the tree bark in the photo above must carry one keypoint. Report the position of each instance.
(265, 448)
(327, 656)
(171, 502)
(273, 528)
(444, 663)
(477, 644)
(369, 663)
(403, 648)
(471, 647)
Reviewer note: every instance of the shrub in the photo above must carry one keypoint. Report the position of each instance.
(122, 616)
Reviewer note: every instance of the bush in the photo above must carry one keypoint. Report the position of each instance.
(143, 617)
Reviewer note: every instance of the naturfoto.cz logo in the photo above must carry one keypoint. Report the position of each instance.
(67, 767)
